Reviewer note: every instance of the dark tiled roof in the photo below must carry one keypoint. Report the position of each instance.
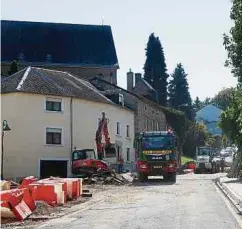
(147, 85)
(68, 44)
(51, 82)
(104, 86)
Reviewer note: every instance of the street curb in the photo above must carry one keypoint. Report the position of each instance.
(232, 198)
(237, 200)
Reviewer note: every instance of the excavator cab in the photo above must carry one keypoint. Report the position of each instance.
(83, 154)
(85, 162)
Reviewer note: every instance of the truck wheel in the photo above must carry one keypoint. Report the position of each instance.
(172, 177)
(166, 177)
(213, 168)
(197, 171)
(142, 177)
(217, 168)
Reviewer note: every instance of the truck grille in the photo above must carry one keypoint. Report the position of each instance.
(156, 167)
(202, 165)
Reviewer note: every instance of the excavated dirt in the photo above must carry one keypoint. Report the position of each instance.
(44, 212)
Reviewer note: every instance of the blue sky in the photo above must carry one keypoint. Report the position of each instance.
(190, 32)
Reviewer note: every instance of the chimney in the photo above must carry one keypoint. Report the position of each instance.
(130, 80)
(137, 77)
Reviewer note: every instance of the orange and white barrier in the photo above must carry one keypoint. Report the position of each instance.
(28, 180)
(20, 203)
(16, 203)
(188, 171)
(72, 186)
(53, 194)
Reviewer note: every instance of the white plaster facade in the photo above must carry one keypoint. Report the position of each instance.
(25, 145)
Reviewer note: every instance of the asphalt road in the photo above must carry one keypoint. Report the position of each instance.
(193, 202)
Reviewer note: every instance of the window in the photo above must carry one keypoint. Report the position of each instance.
(118, 151)
(53, 104)
(118, 128)
(76, 155)
(127, 131)
(157, 142)
(157, 126)
(204, 151)
(121, 99)
(146, 124)
(48, 58)
(111, 78)
(128, 154)
(149, 125)
(53, 136)
(153, 125)
(83, 154)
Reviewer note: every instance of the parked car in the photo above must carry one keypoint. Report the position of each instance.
(228, 155)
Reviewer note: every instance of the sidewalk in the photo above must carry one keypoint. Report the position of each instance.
(232, 188)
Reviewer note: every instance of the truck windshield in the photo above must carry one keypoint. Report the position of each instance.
(157, 142)
(204, 152)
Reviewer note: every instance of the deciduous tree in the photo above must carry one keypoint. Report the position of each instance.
(233, 41)
(224, 98)
(231, 119)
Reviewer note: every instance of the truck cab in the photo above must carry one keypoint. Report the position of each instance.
(156, 151)
(206, 161)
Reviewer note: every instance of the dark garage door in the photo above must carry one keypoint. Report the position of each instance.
(53, 168)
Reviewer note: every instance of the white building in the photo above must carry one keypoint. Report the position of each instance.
(51, 112)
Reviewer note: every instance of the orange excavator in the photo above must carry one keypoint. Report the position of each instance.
(106, 147)
(85, 162)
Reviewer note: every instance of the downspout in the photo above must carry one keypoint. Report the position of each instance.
(71, 129)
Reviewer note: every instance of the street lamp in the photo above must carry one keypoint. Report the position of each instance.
(5, 127)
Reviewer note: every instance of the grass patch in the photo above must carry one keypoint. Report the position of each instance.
(185, 159)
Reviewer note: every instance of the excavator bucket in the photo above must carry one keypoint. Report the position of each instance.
(110, 150)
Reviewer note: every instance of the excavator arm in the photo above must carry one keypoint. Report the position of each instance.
(103, 130)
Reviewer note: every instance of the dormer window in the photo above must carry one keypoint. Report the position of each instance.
(48, 58)
(121, 99)
(21, 56)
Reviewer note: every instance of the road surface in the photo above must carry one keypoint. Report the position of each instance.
(194, 202)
